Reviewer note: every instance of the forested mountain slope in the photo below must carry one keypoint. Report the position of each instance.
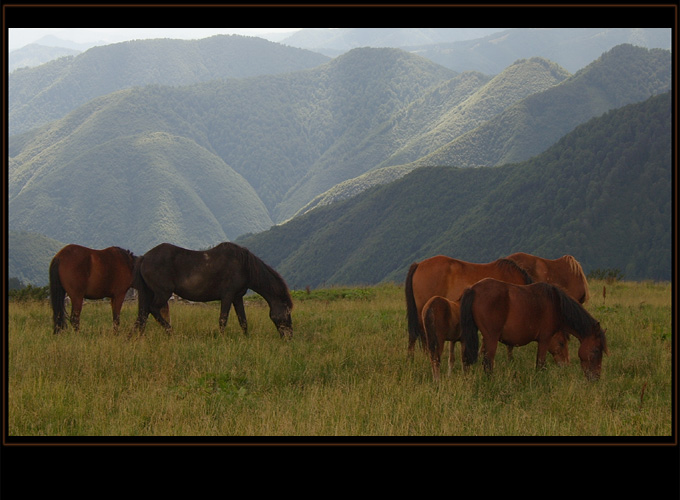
(269, 130)
(623, 75)
(280, 140)
(48, 92)
(30, 255)
(443, 113)
(532, 125)
(602, 193)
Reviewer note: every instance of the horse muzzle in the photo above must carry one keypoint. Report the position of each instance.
(286, 332)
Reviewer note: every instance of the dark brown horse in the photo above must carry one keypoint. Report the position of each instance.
(519, 314)
(83, 273)
(223, 273)
(441, 322)
(447, 277)
(565, 272)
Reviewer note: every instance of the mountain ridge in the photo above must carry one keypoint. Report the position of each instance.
(601, 193)
(270, 131)
(49, 91)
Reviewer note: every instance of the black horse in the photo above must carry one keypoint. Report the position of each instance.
(223, 273)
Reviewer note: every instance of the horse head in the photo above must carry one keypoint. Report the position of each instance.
(280, 314)
(590, 352)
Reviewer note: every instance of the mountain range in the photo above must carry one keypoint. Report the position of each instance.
(602, 193)
(200, 163)
(48, 92)
(488, 50)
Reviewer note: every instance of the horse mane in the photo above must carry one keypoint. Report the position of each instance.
(263, 277)
(511, 264)
(127, 254)
(576, 269)
(573, 313)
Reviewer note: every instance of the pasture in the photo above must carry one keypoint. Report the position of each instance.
(344, 373)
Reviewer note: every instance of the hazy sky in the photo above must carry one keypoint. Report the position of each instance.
(18, 37)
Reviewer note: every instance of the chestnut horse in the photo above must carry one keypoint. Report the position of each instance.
(447, 277)
(84, 273)
(519, 314)
(441, 322)
(565, 272)
(223, 273)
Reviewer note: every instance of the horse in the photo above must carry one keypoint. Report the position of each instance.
(224, 272)
(447, 277)
(84, 273)
(441, 322)
(519, 314)
(565, 272)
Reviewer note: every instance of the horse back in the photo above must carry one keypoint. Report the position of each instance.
(575, 281)
(565, 272)
(448, 277)
(74, 268)
(518, 314)
(194, 274)
(433, 277)
(94, 274)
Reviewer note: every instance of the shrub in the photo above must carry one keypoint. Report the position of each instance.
(29, 292)
(608, 275)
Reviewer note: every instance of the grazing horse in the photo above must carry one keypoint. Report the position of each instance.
(441, 322)
(84, 273)
(447, 277)
(223, 273)
(519, 314)
(565, 272)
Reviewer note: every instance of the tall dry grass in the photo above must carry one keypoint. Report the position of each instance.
(345, 373)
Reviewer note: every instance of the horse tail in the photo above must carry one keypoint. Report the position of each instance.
(57, 296)
(468, 328)
(414, 329)
(430, 324)
(144, 292)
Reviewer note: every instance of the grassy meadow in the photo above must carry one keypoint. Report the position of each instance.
(345, 373)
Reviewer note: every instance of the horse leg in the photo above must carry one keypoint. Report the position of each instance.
(411, 349)
(451, 356)
(436, 358)
(156, 311)
(489, 349)
(510, 358)
(76, 308)
(158, 308)
(142, 311)
(224, 311)
(541, 354)
(140, 323)
(241, 314)
(165, 312)
(116, 306)
(435, 362)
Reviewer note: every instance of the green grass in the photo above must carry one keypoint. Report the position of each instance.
(345, 373)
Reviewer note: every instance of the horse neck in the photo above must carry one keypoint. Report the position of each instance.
(267, 282)
(267, 292)
(575, 318)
